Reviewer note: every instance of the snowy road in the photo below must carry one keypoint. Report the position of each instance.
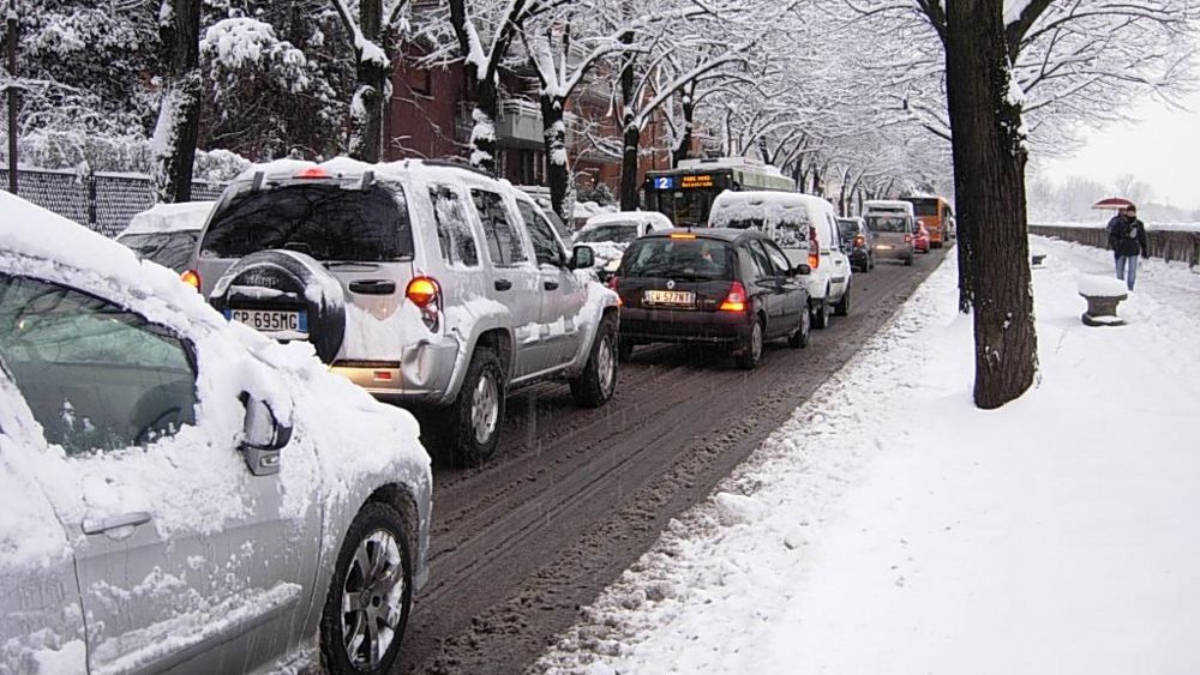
(575, 496)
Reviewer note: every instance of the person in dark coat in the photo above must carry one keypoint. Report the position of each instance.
(1127, 239)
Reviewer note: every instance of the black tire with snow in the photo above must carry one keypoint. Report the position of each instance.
(288, 281)
(596, 384)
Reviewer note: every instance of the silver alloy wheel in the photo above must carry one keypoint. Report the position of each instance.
(485, 408)
(606, 364)
(756, 341)
(372, 598)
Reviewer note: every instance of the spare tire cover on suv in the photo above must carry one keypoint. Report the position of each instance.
(287, 281)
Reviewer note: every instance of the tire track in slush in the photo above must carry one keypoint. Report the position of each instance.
(575, 496)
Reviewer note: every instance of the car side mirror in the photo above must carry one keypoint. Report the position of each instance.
(583, 258)
(263, 436)
(801, 270)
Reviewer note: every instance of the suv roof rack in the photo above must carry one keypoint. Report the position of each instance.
(456, 163)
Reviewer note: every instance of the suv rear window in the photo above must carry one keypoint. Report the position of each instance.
(323, 220)
(888, 223)
(616, 233)
(680, 259)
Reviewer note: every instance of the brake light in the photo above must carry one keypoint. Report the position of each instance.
(908, 238)
(814, 248)
(735, 300)
(859, 240)
(683, 235)
(313, 172)
(423, 291)
(614, 283)
(191, 278)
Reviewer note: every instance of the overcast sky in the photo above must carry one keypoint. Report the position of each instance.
(1162, 150)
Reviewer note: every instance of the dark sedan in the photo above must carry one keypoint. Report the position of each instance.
(714, 286)
(859, 243)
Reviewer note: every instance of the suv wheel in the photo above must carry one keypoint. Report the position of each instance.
(596, 384)
(842, 308)
(476, 415)
(752, 348)
(820, 313)
(370, 595)
(803, 335)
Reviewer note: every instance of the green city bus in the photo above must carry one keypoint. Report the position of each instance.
(685, 194)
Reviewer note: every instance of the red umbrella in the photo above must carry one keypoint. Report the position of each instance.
(1112, 203)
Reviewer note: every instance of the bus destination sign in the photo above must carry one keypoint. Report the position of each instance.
(695, 181)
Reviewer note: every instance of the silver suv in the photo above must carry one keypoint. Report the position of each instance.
(430, 285)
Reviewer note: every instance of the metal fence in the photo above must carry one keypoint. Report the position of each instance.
(105, 202)
(1166, 244)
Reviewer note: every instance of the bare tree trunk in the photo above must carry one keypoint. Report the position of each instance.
(684, 146)
(555, 135)
(481, 91)
(14, 101)
(632, 138)
(989, 171)
(178, 127)
(370, 95)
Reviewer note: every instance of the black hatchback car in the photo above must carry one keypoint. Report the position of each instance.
(713, 286)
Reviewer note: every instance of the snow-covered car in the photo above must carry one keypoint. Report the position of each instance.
(609, 234)
(181, 494)
(167, 233)
(428, 284)
(805, 227)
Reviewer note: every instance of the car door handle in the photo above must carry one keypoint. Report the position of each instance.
(373, 287)
(551, 285)
(102, 525)
(503, 284)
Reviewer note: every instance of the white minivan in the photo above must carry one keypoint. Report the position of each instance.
(805, 227)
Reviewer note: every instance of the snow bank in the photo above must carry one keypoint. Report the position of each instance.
(905, 531)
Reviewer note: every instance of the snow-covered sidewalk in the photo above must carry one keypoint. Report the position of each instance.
(891, 527)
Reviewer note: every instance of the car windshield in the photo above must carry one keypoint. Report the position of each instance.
(324, 220)
(617, 233)
(169, 249)
(888, 223)
(692, 259)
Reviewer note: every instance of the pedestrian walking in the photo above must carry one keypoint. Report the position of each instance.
(1127, 239)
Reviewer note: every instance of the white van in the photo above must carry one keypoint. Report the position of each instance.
(889, 207)
(805, 227)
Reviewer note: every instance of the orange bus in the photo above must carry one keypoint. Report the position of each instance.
(936, 215)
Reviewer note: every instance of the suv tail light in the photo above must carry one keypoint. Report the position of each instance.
(426, 294)
(191, 278)
(614, 283)
(735, 300)
(908, 238)
(814, 248)
(860, 240)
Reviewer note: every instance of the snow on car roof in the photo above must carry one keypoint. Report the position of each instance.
(652, 218)
(30, 231)
(765, 206)
(170, 218)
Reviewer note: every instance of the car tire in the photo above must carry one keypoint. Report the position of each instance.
(820, 314)
(803, 335)
(378, 537)
(598, 381)
(868, 266)
(301, 284)
(473, 427)
(842, 308)
(750, 352)
(909, 261)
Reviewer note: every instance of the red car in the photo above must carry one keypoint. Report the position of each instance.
(921, 241)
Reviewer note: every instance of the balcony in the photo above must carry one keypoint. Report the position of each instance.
(519, 125)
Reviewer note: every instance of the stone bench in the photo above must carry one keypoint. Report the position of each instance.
(1103, 294)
